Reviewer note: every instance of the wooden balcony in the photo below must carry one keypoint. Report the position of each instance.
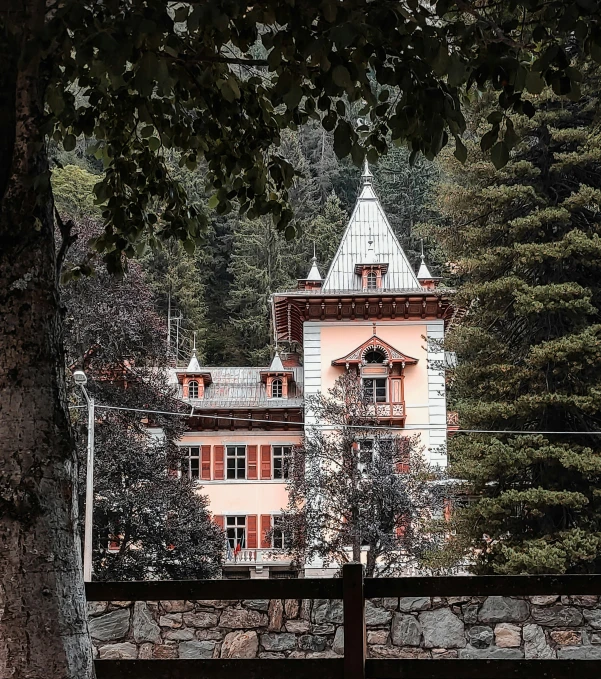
(392, 413)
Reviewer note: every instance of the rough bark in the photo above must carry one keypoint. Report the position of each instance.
(43, 627)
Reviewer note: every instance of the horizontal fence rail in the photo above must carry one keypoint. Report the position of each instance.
(199, 590)
(353, 589)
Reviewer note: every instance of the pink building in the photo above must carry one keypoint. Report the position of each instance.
(372, 312)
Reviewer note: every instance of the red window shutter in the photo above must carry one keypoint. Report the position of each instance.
(251, 531)
(396, 390)
(265, 530)
(205, 463)
(219, 519)
(251, 462)
(401, 527)
(218, 468)
(447, 510)
(265, 462)
(402, 468)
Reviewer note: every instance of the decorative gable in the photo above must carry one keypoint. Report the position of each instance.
(360, 355)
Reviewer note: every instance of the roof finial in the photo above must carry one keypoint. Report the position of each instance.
(194, 343)
(374, 329)
(314, 252)
(367, 176)
(424, 272)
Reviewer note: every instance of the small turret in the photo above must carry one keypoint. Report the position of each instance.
(313, 281)
(426, 279)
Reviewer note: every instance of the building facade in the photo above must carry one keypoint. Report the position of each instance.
(371, 313)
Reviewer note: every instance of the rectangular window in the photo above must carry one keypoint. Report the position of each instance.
(374, 390)
(279, 536)
(191, 464)
(282, 456)
(235, 528)
(236, 462)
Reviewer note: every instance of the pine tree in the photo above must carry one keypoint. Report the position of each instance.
(261, 263)
(526, 249)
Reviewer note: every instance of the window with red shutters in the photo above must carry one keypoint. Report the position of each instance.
(205, 463)
(265, 530)
(251, 462)
(265, 462)
(251, 531)
(218, 466)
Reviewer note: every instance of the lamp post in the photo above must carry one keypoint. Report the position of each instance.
(81, 380)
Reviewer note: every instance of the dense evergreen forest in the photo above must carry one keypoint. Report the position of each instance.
(220, 292)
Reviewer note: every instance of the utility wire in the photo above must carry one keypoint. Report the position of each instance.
(419, 427)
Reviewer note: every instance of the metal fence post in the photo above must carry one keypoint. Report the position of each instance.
(354, 621)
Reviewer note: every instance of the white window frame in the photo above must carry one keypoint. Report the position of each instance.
(371, 280)
(280, 383)
(187, 462)
(282, 456)
(196, 388)
(374, 388)
(275, 518)
(238, 527)
(236, 456)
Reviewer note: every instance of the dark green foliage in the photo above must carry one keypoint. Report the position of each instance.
(526, 245)
(221, 81)
(114, 334)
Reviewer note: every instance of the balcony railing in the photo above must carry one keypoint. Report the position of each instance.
(386, 409)
(257, 556)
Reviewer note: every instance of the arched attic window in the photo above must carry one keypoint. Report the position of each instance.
(374, 356)
(193, 389)
(276, 389)
(372, 281)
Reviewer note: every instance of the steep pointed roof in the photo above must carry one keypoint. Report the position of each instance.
(194, 365)
(314, 274)
(369, 236)
(424, 272)
(276, 364)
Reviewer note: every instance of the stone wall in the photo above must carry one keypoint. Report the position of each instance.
(410, 627)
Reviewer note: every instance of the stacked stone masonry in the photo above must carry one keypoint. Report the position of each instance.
(410, 627)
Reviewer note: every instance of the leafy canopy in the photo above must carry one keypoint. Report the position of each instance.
(220, 80)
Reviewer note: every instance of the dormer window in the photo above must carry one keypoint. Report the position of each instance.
(277, 389)
(372, 281)
(193, 389)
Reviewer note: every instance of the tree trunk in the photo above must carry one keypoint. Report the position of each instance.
(43, 628)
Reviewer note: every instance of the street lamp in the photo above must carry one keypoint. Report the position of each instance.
(81, 380)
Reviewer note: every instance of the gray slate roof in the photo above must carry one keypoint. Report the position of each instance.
(369, 223)
(243, 388)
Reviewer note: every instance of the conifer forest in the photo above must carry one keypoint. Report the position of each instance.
(170, 174)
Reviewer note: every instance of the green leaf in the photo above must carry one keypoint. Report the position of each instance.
(341, 77)
(154, 143)
(69, 142)
(534, 83)
(146, 131)
(489, 138)
(500, 154)
(460, 150)
(213, 201)
(343, 141)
